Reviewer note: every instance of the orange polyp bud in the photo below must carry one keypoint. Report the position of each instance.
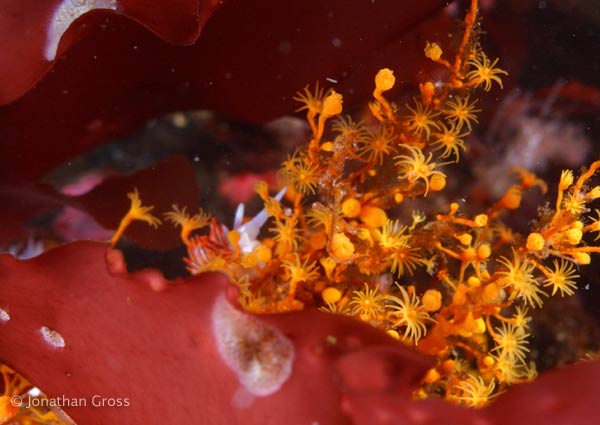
(488, 361)
(327, 147)
(465, 239)
(468, 254)
(578, 224)
(473, 282)
(469, 326)
(341, 246)
(427, 91)
(394, 334)
(328, 264)
(574, 236)
(535, 242)
(437, 182)
(398, 197)
(332, 105)
(319, 286)
(351, 207)
(512, 198)
(331, 295)
(582, 258)
(460, 296)
(432, 300)
(384, 81)
(481, 220)
(317, 241)
(373, 216)
(484, 251)
(364, 235)
(263, 253)
(431, 376)
(491, 293)
(449, 366)
(433, 51)
(249, 260)
(480, 327)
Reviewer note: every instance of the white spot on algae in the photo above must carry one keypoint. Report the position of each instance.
(4, 316)
(64, 15)
(259, 354)
(52, 337)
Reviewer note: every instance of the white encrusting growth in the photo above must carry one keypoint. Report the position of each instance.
(258, 353)
(4, 316)
(64, 15)
(52, 337)
(31, 249)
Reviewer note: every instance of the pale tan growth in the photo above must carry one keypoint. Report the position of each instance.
(258, 353)
(52, 337)
(64, 15)
(4, 316)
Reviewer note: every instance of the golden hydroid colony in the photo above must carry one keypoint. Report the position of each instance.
(332, 238)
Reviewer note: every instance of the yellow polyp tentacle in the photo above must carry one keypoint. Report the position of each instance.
(136, 212)
(188, 224)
